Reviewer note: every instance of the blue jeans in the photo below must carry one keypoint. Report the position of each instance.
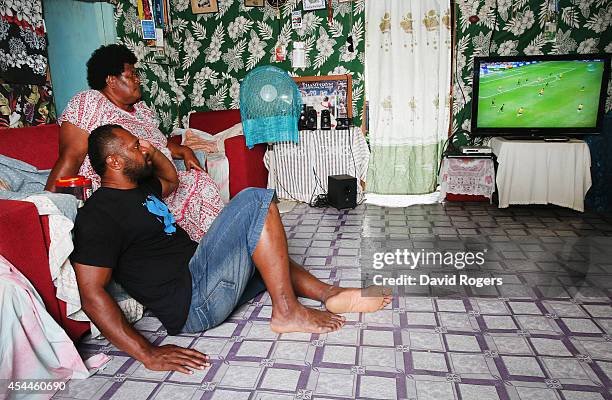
(223, 275)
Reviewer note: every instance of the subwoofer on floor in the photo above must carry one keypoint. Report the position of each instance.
(342, 191)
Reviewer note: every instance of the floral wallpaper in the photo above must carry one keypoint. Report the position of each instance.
(583, 26)
(26, 97)
(23, 47)
(26, 105)
(208, 54)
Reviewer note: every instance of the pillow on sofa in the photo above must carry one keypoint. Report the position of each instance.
(202, 140)
(216, 163)
(198, 142)
(20, 176)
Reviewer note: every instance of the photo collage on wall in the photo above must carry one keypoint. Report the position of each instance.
(154, 20)
(326, 94)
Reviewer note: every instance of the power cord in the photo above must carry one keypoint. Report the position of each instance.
(354, 163)
(448, 145)
(320, 201)
(271, 148)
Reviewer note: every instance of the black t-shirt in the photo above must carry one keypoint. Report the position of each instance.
(132, 232)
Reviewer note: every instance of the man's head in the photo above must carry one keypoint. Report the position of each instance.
(114, 150)
(112, 68)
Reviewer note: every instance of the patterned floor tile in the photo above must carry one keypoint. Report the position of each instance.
(377, 338)
(478, 392)
(429, 361)
(434, 390)
(376, 387)
(522, 366)
(336, 384)
(281, 379)
(549, 347)
(462, 343)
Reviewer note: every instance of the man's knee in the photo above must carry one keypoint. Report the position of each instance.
(254, 195)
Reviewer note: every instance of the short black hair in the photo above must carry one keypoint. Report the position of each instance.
(107, 61)
(101, 143)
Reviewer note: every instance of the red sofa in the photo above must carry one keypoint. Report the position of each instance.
(24, 235)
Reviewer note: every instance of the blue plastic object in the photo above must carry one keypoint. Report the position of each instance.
(270, 106)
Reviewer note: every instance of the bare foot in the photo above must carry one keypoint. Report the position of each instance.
(304, 319)
(370, 299)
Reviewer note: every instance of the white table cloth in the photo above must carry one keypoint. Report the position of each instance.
(300, 171)
(537, 172)
(472, 176)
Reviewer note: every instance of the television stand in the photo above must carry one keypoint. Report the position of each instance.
(539, 172)
(538, 138)
(522, 137)
(556, 139)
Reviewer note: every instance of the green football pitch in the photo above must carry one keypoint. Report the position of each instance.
(543, 95)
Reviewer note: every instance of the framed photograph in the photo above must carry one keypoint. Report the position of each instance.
(331, 92)
(310, 5)
(204, 6)
(254, 3)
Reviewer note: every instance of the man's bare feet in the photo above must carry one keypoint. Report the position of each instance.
(345, 300)
(304, 319)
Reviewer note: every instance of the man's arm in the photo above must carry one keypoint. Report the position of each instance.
(72, 152)
(164, 169)
(102, 309)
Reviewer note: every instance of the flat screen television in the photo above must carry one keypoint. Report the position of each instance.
(539, 95)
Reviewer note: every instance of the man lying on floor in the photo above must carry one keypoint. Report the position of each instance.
(126, 231)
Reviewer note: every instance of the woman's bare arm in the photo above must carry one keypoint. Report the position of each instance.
(72, 152)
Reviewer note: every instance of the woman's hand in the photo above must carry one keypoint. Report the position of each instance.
(181, 152)
(195, 142)
(190, 160)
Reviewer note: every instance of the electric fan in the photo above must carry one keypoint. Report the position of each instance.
(270, 105)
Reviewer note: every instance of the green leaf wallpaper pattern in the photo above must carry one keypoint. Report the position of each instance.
(208, 54)
(583, 26)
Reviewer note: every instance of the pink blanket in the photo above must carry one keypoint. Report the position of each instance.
(32, 345)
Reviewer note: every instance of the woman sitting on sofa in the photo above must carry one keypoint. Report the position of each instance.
(114, 98)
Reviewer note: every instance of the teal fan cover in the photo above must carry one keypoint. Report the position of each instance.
(270, 106)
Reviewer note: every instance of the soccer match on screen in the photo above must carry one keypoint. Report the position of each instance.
(539, 94)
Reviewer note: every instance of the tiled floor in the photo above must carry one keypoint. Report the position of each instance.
(545, 334)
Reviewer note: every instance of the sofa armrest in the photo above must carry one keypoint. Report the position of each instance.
(247, 168)
(22, 243)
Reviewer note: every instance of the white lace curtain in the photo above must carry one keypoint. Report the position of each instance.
(408, 61)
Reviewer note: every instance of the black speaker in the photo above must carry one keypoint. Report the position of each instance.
(342, 191)
(302, 121)
(343, 123)
(325, 120)
(311, 118)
